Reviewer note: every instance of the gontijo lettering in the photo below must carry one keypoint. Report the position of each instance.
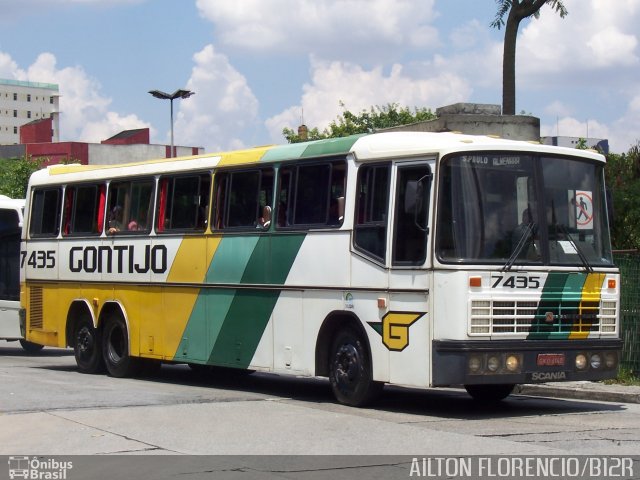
(117, 259)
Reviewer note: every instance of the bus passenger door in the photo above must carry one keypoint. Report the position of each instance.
(406, 324)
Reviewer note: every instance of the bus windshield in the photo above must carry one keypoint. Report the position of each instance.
(515, 209)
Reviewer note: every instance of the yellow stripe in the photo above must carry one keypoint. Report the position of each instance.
(74, 167)
(589, 304)
(238, 157)
(190, 266)
(243, 156)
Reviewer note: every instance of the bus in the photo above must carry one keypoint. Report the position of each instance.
(414, 259)
(11, 215)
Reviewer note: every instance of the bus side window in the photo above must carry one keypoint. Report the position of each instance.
(411, 215)
(284, 190)
(46, 205)
(81, 209)
(312, 196)
(244, 199)
(129, 206)
(182, 203)
(370, 235)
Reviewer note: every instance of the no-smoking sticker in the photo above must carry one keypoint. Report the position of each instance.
(584, 210)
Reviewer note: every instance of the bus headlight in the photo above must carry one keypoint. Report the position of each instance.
(610, 359)
(493, 364)
(596, 361)
(581, 361)
(512, 363)
(475, 364)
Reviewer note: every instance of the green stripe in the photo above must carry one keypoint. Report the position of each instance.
(226, 325)
(561, 295)
(284, 152)
(332, 146)
(272, 258)
(317, 148)
(231, 259)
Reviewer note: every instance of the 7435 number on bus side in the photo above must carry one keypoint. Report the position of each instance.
(38, 259)
(515, 281)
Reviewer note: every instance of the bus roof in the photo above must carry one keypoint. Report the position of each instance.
(6, 202)
(363, 147)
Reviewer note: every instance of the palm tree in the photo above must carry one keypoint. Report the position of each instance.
(516, 11)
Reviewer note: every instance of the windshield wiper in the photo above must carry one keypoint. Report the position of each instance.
(581, 255)
(522, 241)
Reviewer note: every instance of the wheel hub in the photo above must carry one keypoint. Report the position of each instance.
(347, 364)
(85, 340)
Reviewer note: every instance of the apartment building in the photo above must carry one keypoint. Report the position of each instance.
(23, 102)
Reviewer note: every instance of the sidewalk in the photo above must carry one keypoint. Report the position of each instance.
(583, 391)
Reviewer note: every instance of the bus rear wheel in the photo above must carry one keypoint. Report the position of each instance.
(490, 393)
(87, 347)
(115, 349)
(350, 370)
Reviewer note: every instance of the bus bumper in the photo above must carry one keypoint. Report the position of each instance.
(473, 362)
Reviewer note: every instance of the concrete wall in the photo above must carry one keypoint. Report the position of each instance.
(103, 154)
(478, 119)
(12, 151)
(58, 152)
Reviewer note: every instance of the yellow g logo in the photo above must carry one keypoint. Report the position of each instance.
(395, 329)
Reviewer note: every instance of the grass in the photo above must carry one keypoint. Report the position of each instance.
(625, 377)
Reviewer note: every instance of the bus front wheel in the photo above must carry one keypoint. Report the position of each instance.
(115, 349)
(350, 370)
(86, 346)
(490, 393)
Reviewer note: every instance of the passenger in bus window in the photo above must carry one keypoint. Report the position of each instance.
(265, 220)
(115, 220)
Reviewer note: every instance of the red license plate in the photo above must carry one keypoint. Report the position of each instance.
(550, 359)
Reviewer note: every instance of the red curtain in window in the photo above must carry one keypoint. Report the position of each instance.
(101, 202)
(68, 206)
(164, 185)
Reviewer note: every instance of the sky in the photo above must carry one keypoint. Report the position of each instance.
(257, 66)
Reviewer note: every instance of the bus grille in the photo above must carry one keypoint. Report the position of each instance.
(492, 317)
(35, 307)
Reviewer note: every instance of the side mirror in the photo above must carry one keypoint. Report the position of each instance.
(416, 200)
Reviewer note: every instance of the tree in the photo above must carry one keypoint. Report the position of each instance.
(367, 121)
(623, 181)
(517, 11)
(15, 173)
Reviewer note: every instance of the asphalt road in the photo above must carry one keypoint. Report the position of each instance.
(48, 408)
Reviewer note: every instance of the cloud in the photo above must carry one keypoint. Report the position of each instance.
(622, 134)
(594, 36)
(223, 108)
(85, 114)
(359, 88)
(626, 130)
(331, 29)
(570, 127)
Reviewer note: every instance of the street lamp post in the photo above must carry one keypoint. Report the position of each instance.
(171, 97)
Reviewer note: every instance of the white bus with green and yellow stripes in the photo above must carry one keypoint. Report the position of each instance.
(414, 259)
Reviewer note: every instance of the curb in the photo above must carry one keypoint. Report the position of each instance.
(601, 393)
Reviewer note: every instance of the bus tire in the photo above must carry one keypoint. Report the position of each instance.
(490, 393)
(115, 348)
(87, 347)
(350, 370)
(30, 347)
